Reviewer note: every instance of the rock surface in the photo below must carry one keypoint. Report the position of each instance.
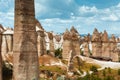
(25, 57)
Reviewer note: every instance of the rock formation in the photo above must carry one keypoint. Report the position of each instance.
(67, 45)
(86, 45)
(58, 41)
(25, 57)
(75, 41)
(96, 44)
(105, 45)
(70, 62)
(7, 42)
(0, 54)
(115, 55)
(41, 40)
(51, 43)
(71, 42)
(114, 52)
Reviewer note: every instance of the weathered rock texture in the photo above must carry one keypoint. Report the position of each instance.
(67, 44)
(71, 42)
(86, 45)
(105, 45)
(0, 54)
(41, 40)
(105, 48)
(75, 42)
(7, 42)
(25, 57)
(51, 43)
(113, 48)
(96, 44)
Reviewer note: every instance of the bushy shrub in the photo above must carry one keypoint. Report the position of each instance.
(94, 69)
(109, 70)
(109, 78)
(7, 71)
(118, 71)
(58, 53)
(104, 73)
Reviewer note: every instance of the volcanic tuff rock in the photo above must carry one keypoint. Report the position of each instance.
(25, 56)
(71, 42)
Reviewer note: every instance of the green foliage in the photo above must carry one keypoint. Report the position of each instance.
(58, 53)
(118, 71)
(109, 78)
(109, 70)
(90, 77)
(104, 73)
(7, 70)
(48, 51)
(93, 68)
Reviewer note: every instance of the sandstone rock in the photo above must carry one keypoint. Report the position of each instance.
(86, 42)
(51, 43)
(0, 56)
(73, 30)
(67, 44)
(58, 38)
(105, 45)
(96, 36)
(113, 46)
(48, 60)
(71, 42)
(75, 42)
(112, 39)
(66, 35)
(41, 44)
(1, 28)
(105, 37)
(96, 44)
(115, 56)
(25, 57)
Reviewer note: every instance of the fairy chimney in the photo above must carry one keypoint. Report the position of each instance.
(51, 43)
(75, 41)
(41, 45)
(105, 45)
(25, 56)
(96, 44)
(67, 44)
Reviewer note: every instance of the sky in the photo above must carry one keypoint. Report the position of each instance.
(57, 15)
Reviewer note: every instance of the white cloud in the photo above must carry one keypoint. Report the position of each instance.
(111, 17)
(39, 8)
(86, 9)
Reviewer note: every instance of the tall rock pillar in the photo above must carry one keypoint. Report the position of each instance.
(96, 44)
(86, 45)
(51, 43)
(75, 42)
(105, 45)
(0, 56)
(25, 57)
(41, 43)
(67, 45)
